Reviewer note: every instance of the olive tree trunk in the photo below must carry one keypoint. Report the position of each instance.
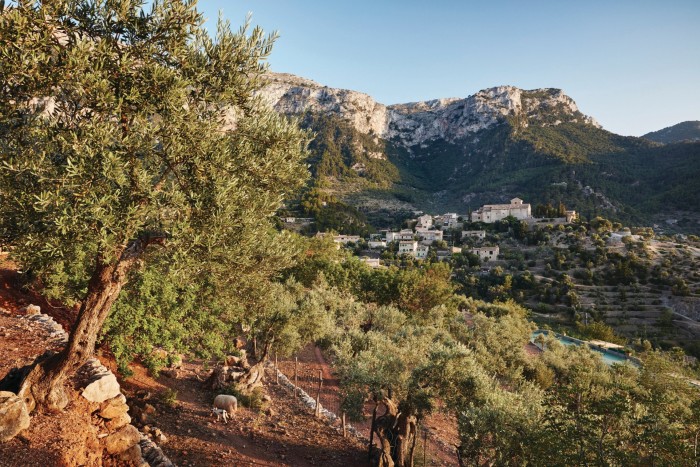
(397, 433)
(44, 384)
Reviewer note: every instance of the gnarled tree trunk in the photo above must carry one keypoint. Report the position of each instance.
(397, 431)
(44, 384)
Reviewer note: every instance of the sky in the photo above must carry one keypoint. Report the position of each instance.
(633, 65)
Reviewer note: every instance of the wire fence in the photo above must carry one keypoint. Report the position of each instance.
(311, 380)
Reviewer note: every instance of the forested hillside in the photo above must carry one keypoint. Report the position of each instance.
(592, 170)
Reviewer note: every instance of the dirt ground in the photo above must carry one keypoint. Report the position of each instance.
(287, 434)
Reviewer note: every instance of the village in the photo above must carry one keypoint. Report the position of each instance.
(444, 235)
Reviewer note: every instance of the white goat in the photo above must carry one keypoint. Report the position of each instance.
(220, 413)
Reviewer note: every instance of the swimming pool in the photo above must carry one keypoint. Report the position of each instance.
(609, 356)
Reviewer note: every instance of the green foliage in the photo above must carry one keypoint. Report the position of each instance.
(168, 396)
(130, 161)
(252, 400)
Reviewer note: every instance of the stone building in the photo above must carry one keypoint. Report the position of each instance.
(495, 212)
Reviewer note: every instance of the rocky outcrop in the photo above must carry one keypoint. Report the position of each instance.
(110, 432)
(14, 416)
(415, 123)
(291, 95)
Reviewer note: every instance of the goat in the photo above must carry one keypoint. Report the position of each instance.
(220, 413)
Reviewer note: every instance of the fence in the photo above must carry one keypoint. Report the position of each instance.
(309, 378)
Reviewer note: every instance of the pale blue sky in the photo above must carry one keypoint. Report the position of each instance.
(634, 65)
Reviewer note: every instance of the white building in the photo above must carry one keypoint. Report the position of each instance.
(345, 239)
(405, 234)
(479, 234)
(424, 221)
(407, 247)
(485, 253)
(422, 251)
(371, 262)
(376, 244)
(429, 236)
(495, 212)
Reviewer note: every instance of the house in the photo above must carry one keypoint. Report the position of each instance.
(485, 253)
(345, 239)
(495, 212)
(429, 236)
(424, 221)
(407, 247)
(371, 262)
(376, 244)
(478, 234)
(446, 219)
(405, 234)
(421, 251)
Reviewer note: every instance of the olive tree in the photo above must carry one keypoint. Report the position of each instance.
(124, 129)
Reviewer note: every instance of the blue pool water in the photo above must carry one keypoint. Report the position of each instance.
(609, 357)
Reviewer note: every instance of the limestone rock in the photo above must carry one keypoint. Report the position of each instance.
(32, 309)
(118, 422)
(132, 455)
(103, 387)
(122, 440)
(114, 407)
(14, 416)
(417, 122)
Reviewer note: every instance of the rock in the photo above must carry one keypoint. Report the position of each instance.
(232, 360)
(149, 409)
(266, 398)
(114, 407)
(118, 422)
(171, 373)
(161, 438)
(122, 440)
(14, 416)
(175, 361)
(132, 455)
(103, 388)
(239, 342)
(32, 310)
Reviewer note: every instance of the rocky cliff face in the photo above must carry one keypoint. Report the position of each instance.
(415, 123)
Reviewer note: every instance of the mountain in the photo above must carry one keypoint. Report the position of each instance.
(455, 154)
(679, 133)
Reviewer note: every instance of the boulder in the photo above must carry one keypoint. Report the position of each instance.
(104, 387)
(116, 423)
(114, 407)
(32, 309)
(122, 440)
(132, 456)
(14, 416)
(232, 360)
(171, 373)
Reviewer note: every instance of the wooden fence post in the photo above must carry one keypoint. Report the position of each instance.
(371, 430)
(345, 433)
(277, 371)
(318, 394)
(425, 444)
(296, 382)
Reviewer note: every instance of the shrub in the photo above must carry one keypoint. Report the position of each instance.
(168, 396)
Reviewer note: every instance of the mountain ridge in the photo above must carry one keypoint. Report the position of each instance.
(687, 131)
(454, 154)
(413, 123)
